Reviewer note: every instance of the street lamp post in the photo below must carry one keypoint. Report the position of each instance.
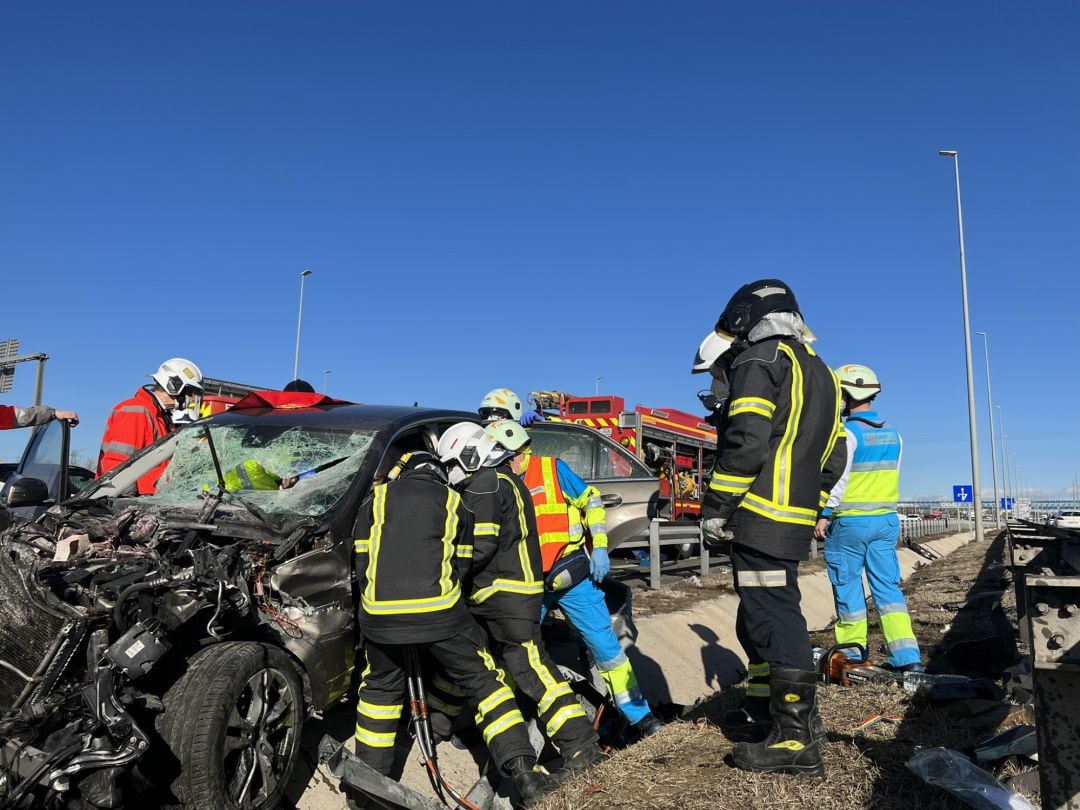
(1004, 456)
(299, 320)
(325, 373)
(993, 442)
(972, 427)
(597, 381)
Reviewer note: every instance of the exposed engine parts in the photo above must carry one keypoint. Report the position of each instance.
(96, 624)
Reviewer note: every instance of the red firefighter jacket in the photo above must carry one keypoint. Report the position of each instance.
(133, 424)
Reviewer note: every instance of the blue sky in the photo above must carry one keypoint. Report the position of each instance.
(534, 195)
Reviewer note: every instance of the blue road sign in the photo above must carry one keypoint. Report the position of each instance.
(961, 493)
(1008, 503)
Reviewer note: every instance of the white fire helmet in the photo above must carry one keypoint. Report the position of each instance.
(177, 374)
(465, 443)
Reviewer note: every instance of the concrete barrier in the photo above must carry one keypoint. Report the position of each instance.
(684, 656)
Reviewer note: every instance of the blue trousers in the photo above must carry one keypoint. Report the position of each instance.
(868, 542)
(585, 610)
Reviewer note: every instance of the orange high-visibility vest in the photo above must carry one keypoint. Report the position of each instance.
(552, 511)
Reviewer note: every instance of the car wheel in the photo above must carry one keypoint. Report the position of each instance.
(234, 721)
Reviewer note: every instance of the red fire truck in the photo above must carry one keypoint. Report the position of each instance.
(678, 446)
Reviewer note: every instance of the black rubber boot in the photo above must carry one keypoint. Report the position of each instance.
(531, 780)
(792, 746)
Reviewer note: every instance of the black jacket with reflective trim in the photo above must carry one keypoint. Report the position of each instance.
(413, 543)
(507, 569)
(782, 448)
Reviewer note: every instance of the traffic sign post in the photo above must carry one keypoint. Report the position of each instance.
(961, 493)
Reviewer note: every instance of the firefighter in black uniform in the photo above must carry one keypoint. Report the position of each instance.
(507, 585)
(413, 540)
(781, 451)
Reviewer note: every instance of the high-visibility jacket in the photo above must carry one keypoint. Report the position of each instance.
(563, 502)
(871, 483)
(13, 417)
(133, 424)
(782, 448)
(507, 570)
(413, 545)
(250, 474)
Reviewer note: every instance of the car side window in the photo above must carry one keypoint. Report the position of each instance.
(576, 447)
(611, 462)
(48, 447)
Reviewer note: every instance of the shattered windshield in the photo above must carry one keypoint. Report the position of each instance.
(296, 470)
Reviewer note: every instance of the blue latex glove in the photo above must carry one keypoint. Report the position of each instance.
(529, 417)
(599, 564)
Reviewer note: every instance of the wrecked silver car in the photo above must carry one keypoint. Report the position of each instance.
(175, 642)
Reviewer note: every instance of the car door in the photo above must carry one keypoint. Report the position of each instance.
(627, 487)
(46, 459)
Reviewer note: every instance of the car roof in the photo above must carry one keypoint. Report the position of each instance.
(356, 417)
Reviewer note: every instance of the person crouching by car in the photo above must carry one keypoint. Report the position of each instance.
(413, 545)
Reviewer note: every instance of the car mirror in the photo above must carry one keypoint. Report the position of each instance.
(26, 492)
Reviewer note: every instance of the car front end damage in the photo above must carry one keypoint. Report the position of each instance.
(129, 625)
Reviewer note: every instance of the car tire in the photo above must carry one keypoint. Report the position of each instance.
(233, 722)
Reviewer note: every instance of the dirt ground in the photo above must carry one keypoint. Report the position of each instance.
(684, 766)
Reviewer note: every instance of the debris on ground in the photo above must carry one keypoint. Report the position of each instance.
(952, 771)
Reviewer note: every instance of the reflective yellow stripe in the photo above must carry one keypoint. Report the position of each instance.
(449, 533)
(726, 482)
(486, 530)
(755, 405)
(424, 605)
(375, 739)
(377, 712)
(561, 716)
(500, 695)
(782, 468)
(553, 694)
(778, 512)
(508, 720)
(465, 552)
(378, 518)
(507, 586)
(362, 546)
(838, 429)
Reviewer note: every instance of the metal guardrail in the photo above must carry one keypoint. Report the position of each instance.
(667, 533)
(914, 529)
(1046, 574)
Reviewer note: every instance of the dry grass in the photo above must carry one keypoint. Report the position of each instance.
(684, 766)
